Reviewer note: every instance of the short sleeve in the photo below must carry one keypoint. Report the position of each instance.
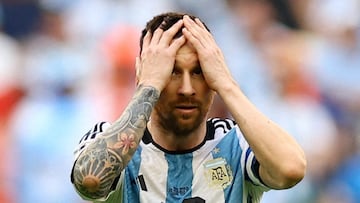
(90, 137)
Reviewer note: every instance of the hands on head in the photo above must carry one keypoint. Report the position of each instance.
(159, 49)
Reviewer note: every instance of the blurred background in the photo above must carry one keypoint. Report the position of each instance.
(67, 64)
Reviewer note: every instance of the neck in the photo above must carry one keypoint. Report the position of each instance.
(170, 141)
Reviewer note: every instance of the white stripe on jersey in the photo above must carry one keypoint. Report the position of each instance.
(217, 171)
(152, 163)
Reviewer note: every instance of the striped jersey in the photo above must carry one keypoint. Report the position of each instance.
(222, 168)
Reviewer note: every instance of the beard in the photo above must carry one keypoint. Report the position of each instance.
(178, 123)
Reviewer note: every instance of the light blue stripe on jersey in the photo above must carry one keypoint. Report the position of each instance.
(180, 176)
(229, 149)
(132, 171)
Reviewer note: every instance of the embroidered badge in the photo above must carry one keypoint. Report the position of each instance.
(218, 173)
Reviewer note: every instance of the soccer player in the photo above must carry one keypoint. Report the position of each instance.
(164, 148)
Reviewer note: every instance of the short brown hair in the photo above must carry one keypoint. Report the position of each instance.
(165, 20)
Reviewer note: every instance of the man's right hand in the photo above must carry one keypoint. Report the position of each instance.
(156, 63)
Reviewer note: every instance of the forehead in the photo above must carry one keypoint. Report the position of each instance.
(186, 56)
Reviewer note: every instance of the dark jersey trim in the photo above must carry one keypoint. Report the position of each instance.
(210, 135)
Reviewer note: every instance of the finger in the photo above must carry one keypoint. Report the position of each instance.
(197, 28)
(192, 39)
(177, 43)
(201, 24)
(137, 70)
(169, 34)
(156, 36)
(191, 25)
(137, 67)
(146, 40)
(198, 33)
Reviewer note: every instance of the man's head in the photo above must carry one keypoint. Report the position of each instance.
(185, 101)
(164, 21)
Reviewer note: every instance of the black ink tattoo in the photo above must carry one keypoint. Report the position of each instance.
(103, 160)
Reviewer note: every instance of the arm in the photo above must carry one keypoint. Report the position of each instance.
(98, 166)
(282, 161)
(103, 160)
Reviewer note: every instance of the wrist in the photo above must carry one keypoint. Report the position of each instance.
(149, 89)
(157, 86)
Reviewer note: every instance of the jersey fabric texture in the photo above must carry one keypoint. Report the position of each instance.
(222, 168)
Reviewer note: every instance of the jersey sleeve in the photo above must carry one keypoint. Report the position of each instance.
(250, 164)
(90, 137)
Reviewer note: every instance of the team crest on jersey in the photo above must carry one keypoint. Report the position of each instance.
(218, 173)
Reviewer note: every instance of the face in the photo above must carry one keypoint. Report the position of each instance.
(184, 103)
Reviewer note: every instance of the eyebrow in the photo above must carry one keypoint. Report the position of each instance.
(194, 68)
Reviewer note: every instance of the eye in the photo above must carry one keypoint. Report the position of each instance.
(175, 72)
(197, 71)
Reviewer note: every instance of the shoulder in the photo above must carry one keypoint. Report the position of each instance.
(90, 136)
(220, 125)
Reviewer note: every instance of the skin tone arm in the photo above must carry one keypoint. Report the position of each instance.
(103, 160)
(282, 161)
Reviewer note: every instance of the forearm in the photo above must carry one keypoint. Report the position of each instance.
(103, 160)
(282, 161)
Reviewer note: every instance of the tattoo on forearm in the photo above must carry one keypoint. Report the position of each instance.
(102, 161)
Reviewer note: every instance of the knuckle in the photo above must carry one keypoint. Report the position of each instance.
(167, 34)
(157, 31)
(149, 51)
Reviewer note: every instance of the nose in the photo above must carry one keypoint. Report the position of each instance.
(186, 87)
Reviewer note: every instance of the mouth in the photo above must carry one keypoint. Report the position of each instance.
(186, 108)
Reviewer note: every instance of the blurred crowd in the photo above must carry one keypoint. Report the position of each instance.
(67, 64)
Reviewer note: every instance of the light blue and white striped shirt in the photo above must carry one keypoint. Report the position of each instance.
(221, 169)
